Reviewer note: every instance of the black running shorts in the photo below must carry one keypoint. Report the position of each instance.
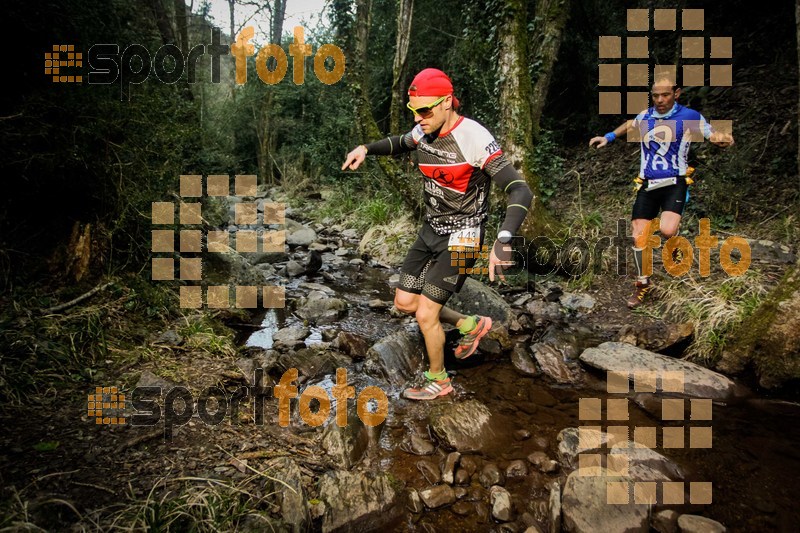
(429, 269)
(671, 198)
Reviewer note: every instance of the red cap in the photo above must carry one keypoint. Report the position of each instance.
(432, 82)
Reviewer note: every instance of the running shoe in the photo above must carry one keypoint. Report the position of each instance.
(430, 389)
(639, 293)
(469, 342)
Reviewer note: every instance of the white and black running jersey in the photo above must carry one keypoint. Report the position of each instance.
(458, 166)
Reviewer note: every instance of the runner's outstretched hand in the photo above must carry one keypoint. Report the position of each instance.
(355, 158)
(499, 257)
(599, 141)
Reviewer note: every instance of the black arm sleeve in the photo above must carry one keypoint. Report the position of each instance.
(397, 144)
(519, 194)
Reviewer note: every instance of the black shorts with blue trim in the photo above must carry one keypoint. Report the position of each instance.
(672, 198)
(430, 268)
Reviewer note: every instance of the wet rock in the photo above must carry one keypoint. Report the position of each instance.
(476, 298)
(461, 477)
(698, 382)
(491, 475)
(482, 511)
(299, 235)
(397, 358)
(469, 464)
(496, 341)
(341, 252)
(522, 434)
(501, 504)
(356, 262)
(419, 446)
(231, 268)
(460, 492)
(554, 506)
(542, 462)
(148, 379)
(585, 508)
(476, 494)
(429, 471)
(378, 304)
(317, 247)
(462, 426)
(517, 468)
(449, 466)
(248, 367)
(352, 344)
(356, 500)
(689, 523)
(665, 521)
(522, 360)
(462, 508)
(292, 336)
(310, 362)
(414, 502)
(438, 496)
(544, 311)
(533, 529)
(292, 502)
(294, 269)
(394, 280)
(577, 302)
(348, 444)
(318, 305)
(550, 360)
(656, 336)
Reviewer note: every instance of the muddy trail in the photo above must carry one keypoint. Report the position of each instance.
(503, 453)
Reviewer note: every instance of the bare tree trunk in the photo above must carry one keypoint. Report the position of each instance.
(162, 22)
(181, 24)
(408, 187)
(516, 113)
(797, 20)
(551, 17)
(232, 19)
(278, 15)
(405, 12)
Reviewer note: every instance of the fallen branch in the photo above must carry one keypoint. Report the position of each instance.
(79, 299)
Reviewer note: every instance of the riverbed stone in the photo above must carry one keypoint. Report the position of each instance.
(577, 301)
(292, 502)
(449, 466)
(501, 504)
(348, 444)
(462, 426)
(461, 477)
(517, 468)
(438, 496)
(352, 344)
(414, 502)
(462, 508)
(491, 475)
(429, 471)
(318, 305)
(665, 521)
(585, 509)
(689, 523)
(419, 446)
(292, 336)
(397, 357)
(656, 336)
(475, 298)
(554, 507)
(299, 235)
(697, 381)
(356, 500)
(523, 361)
(551, 362)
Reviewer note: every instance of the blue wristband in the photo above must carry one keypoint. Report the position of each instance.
(610, 137)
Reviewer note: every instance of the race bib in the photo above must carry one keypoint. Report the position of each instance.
(465, 238)
(663, 182)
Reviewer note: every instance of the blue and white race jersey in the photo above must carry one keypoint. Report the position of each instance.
(665, 141)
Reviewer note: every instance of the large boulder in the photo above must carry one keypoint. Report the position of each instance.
(397, 358)
(463, 426)
(476, 298)
(291, 496)
(356, 501)
(623, 358)
(346, 445)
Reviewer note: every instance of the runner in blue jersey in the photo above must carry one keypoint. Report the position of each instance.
(665, 133)
(459, 159)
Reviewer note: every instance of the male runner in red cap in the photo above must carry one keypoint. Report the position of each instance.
(459, 158)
